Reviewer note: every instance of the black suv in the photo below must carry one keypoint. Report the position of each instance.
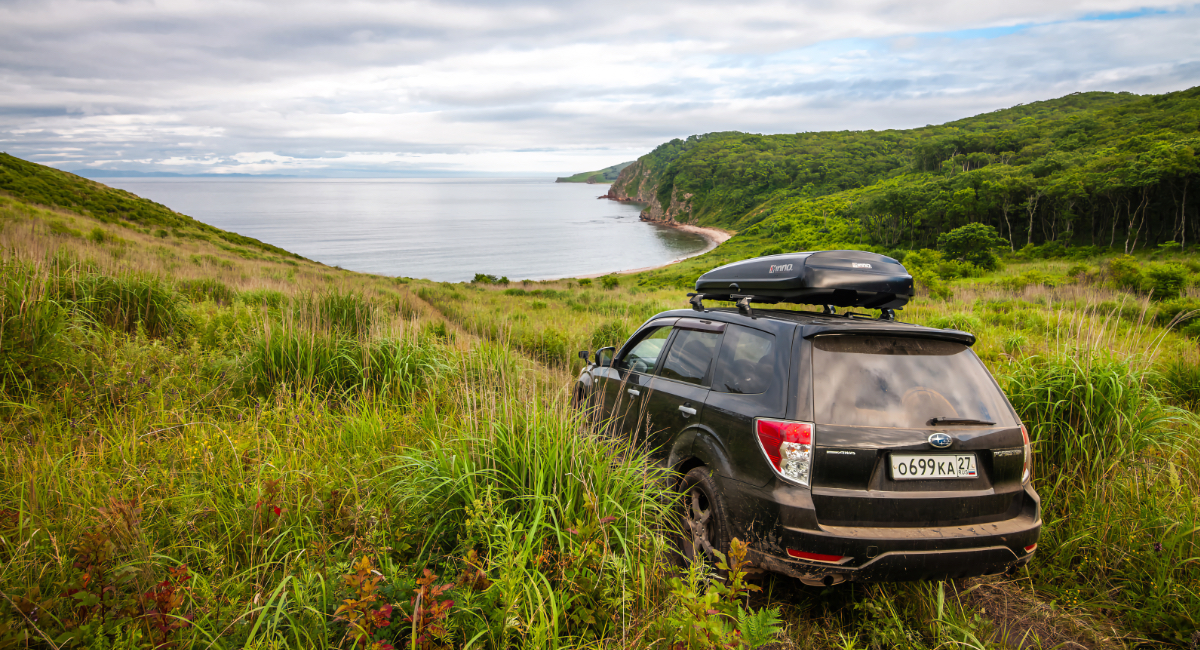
(841, 447)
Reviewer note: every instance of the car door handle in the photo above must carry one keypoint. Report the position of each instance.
(632, 392)
(687, 411)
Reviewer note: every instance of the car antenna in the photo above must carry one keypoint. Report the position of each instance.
(696, 301)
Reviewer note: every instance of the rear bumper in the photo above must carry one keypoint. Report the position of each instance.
(775, 521)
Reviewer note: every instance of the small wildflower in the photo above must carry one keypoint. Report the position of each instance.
(1158, 547)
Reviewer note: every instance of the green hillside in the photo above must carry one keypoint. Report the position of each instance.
(606, 175)
(40, 185)
(1104, 169)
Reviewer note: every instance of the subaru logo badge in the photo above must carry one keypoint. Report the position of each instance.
(940, 440)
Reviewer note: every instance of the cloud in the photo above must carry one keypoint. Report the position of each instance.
(394, 87)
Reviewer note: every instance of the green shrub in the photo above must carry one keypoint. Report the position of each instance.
(98, 235)
(1124, 273)
(550, 345)
(538, 304)
(1077, 270)
(60, 227)
(610, 282)
(957, 321)
(933, 285)
(1180, 311)
(585, 282)
(613, 332)
(1026, 279)
(1165, 281)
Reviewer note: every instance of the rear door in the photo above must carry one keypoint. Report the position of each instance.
(678, 391)
(750, 381)
(910, 432)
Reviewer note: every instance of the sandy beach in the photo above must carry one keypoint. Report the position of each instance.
(713, 237)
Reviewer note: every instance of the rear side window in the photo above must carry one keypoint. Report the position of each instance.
(747, 361)
(901, 382)
(644, 354)
(691, 356)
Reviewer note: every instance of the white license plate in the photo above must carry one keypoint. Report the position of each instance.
(926, 466)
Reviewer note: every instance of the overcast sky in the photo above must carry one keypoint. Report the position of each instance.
(390, 88)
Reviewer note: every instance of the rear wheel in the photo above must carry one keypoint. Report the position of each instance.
(703, 526)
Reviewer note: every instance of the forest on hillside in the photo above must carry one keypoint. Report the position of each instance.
(1098, 169)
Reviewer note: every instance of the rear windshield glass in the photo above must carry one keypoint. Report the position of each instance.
(901, 382)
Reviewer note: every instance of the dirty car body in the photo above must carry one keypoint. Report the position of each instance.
(840, 447)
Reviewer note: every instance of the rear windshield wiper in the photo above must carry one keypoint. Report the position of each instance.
(968, 421)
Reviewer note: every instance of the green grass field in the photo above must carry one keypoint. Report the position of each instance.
(204, 449)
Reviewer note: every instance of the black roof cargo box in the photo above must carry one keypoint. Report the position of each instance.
(839, 278)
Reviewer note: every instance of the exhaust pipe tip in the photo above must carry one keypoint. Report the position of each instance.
(827, 580)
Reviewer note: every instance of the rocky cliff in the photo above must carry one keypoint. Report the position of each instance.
(637, 184)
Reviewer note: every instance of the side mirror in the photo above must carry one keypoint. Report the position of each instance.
(604, 356)
(583, 354)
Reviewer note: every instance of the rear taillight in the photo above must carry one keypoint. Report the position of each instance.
(1027, 469)
(818, 557)
(1031, 548)
(788, 446)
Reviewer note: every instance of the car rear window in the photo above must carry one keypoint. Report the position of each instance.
(747, 361)
(901, 382)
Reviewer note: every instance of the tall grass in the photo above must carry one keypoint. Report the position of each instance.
(565, 523)
(31, 325)
(127, 303)
(332, 362)
(1090, 412)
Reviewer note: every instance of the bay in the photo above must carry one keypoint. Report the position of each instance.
(444, 229)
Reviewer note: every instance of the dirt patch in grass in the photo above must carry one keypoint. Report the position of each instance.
(1022, 621)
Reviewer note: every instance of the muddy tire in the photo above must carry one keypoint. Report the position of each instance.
(702, 523)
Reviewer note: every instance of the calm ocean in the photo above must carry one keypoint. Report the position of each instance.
(445, 229)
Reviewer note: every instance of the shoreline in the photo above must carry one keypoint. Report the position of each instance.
(713, 237)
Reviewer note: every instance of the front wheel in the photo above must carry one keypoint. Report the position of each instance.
(703, 526)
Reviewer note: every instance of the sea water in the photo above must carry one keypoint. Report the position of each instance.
(445, 229)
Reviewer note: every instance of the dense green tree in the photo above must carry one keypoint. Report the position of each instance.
(975, 243)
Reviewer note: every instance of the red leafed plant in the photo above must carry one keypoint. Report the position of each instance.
(429, 616)
(361, 611)
(160, 606)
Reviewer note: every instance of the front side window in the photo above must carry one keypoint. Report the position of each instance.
(691, 356)
(747, 361)
(644, 355)
(881, 381)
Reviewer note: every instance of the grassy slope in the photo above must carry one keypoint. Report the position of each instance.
(606, 175)
(163, 397)
(45, 186)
